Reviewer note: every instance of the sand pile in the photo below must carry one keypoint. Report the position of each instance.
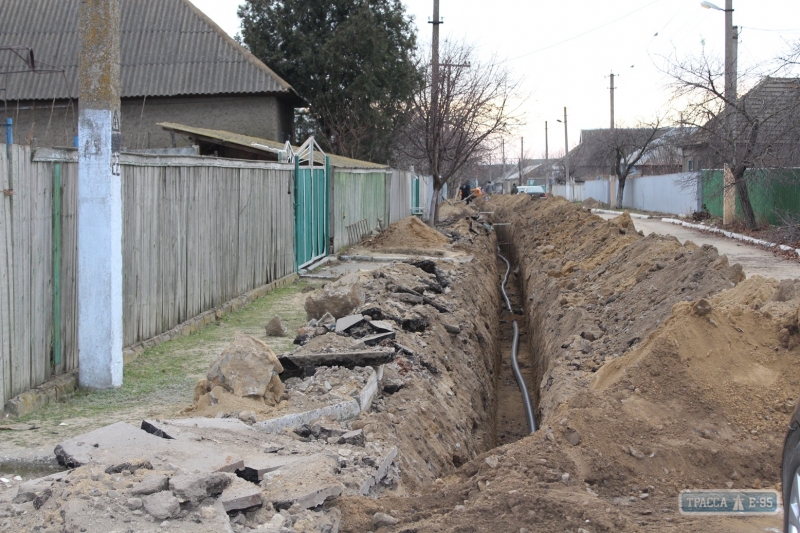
(409, 233)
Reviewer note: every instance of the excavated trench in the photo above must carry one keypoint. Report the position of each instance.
(511, 421)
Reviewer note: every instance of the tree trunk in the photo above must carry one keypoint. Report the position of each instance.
(433, 218)
(744, 199)
(620, 190)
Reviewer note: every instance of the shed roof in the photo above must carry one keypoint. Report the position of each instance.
(264, 146)
(168, 48)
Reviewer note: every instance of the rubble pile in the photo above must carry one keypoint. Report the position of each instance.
(389, 388)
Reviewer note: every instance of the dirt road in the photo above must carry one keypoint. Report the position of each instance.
(753, 259)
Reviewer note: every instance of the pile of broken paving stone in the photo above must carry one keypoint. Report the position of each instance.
(377, 381)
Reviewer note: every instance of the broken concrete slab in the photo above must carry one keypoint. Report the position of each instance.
(257, 466)
(380, 325)
(354, 438)
(347, 322)
(374, 340)
(150, 485)
(194, 488)
(351, 360)
(368, 393)
(122, 442)
(339, 411)
(241, 495)
(380, 472)
(308, 483)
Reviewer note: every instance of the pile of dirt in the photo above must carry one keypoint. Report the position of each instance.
(409, 233)
(449, 211)
(591, 203)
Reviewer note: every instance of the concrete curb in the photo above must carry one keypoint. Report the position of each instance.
(732, 235)
(346, 410)
(132, 352)
(36, 398)
(608, 212)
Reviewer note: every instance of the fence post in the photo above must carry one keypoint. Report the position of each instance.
(57, 264)
(328, 191)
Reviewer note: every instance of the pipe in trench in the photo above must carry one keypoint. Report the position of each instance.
(526, 399)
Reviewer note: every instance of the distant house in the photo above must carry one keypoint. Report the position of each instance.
(177, 66)
(765, 130)
(593, 158)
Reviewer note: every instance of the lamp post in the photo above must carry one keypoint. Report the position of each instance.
(731, 59)
(566, 158)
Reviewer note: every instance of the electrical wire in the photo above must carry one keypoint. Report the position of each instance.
(581, 34)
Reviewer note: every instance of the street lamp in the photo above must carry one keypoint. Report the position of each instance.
(731, 53)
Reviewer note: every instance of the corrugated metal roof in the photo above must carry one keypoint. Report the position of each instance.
(168, 48)
(261, 145)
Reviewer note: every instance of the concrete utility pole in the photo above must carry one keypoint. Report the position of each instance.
(612, 99)
(521, 158)
(503, 151)
(566, 158)
(546, 150)
(731, 49)
(435, 97)
(99, 196)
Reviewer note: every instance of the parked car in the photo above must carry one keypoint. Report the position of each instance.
(790, 475)
(535, 191)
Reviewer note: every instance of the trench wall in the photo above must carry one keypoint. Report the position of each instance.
(594, 289)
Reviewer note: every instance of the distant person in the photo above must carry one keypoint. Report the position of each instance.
(514, 189)
(466, 193)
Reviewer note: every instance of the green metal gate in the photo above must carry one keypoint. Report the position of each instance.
(415, 207)
(311, 193)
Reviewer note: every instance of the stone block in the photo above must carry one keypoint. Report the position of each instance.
(150, 485)
(194, 488)
(162, 505)
(241, 495)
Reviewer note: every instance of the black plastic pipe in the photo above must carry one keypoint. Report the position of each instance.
(526, 399)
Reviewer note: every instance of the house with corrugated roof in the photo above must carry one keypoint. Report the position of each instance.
(177, 66)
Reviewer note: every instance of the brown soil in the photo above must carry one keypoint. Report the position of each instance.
(408, 233)
(641, 394)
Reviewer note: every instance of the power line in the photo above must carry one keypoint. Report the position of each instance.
(582, 34)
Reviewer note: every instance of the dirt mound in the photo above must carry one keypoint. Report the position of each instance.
(452, 211)
(408, 233)
(591, 203)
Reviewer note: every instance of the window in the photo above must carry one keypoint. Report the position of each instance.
(691, 165)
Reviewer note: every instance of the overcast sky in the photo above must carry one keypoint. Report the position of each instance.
(564, 50)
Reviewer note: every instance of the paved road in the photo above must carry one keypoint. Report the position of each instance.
(753, 260)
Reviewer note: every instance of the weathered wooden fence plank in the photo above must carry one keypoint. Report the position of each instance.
(196, 233)
(6, 278)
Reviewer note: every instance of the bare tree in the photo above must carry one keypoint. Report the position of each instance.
(752, 134)
(474, 108)
(627, 147)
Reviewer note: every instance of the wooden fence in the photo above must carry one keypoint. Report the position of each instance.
(197, 232)
(368, 198)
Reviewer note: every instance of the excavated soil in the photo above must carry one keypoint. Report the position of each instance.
(658, 367)
(408, 233)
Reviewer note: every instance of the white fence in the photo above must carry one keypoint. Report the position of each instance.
(676, 194)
